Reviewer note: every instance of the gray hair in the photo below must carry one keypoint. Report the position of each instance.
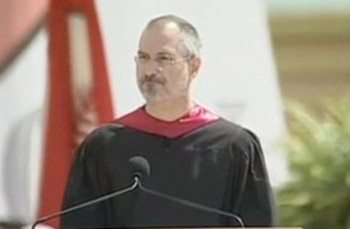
(191, 39)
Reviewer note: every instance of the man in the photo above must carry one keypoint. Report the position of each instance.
(193, 154)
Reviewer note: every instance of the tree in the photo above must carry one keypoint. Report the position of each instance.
(318, 152)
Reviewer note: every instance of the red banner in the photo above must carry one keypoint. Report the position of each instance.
(79, 93)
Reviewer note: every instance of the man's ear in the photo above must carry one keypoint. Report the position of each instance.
(195, 64)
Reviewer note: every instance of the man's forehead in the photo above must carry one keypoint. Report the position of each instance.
(163, 26)
(161, 32)
(158, 41)
(157, 49)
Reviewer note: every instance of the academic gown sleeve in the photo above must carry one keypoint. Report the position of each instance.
(256, 204)
(85, 184)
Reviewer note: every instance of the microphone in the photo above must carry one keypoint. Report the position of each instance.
(140, 169)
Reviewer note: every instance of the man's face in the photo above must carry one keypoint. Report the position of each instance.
(163, 69)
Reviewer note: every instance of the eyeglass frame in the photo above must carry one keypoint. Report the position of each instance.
(162, 62)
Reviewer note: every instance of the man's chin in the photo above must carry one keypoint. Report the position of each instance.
(154, 97)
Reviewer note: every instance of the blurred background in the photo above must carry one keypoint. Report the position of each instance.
(290, 83)
(311, 41)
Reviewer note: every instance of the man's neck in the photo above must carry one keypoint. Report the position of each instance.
(169, 110)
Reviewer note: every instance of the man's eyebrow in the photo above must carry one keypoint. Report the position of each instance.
(140, 52)
(161, 53)
(164, 53)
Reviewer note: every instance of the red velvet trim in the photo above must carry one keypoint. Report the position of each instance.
(142, 121)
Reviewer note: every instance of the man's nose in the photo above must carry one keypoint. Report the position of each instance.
(149, 76)
(152, 67)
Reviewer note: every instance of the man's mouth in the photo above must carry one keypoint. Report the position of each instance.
(153, 82)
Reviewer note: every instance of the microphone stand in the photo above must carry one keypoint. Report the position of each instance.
(135, 185)
(85, 204)
(189, 203)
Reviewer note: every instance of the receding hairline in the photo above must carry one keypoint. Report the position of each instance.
(167, 19)
(188, 32)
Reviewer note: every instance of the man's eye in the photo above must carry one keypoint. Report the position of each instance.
(165, 59)
(142, 57)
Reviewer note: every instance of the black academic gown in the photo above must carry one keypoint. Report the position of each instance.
(219, 165)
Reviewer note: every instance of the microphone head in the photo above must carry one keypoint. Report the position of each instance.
(140, 167)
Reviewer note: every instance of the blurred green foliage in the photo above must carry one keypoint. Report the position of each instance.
(317, 195)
